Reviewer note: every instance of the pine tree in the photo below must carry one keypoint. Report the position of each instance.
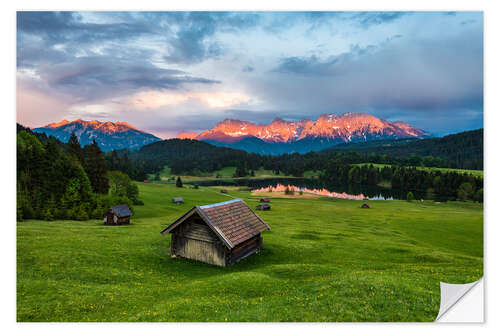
(74, 148)
(96, 168)
(178, 183)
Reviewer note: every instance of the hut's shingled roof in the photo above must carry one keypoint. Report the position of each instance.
(121, 210)
(234, 221)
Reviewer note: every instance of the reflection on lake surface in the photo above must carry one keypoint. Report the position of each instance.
(323, 192)
(372, 192)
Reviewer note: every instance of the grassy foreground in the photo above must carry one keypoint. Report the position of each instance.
(323, 260)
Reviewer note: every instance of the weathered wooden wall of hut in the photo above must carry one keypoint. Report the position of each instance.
(245, 249)
(195, 240)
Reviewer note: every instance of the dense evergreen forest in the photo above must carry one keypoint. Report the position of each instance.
(461, 151)
(65, 181)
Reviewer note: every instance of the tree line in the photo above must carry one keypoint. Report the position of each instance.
(434, 184)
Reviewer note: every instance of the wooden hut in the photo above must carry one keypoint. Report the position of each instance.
(265, 200)
(117, 215)
(219, 234)
(178, 201)
(264, 206)
(223, 191)
(365, 205)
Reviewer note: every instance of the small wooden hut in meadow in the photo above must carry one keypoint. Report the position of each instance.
(219, 234)
(178, 201)
(265, 200)
(223, 191)
(264, 206)
(365, 205)
(117, 215)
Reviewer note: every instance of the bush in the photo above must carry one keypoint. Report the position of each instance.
(47, 215)
(98, 213)
(410, 196)
(195, 187)
(81, 214)
(465, 192)
(178, 183)
(430, 194)
(479, 195)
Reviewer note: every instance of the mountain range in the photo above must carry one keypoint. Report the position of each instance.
(278, 137)
(281, 136)
(108, 135)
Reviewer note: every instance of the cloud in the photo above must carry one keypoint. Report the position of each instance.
(192, 43)
(413, 78)
(248, 69)
(64, 27)
(97, 77)
(368, 19)
(214, 100)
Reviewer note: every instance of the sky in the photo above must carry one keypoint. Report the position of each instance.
(168, 72)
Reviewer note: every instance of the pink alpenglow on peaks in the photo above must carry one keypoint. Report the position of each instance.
(345, 127)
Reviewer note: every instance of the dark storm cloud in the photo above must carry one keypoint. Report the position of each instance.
(334, 65)
(99, 77)
(62, 27)
(61, 48)
(191, 43)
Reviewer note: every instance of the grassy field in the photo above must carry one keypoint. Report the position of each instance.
(324, 260)
(475, 173)
(225, 173)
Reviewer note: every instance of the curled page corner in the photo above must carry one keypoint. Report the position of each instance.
(451, 294)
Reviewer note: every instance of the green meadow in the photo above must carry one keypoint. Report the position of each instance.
(324, 259)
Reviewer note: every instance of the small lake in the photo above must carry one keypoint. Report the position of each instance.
(313, 185)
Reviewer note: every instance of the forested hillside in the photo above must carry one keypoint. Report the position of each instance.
(65, 181)
(463, 150)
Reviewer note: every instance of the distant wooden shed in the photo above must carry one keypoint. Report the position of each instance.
(365, 205)
(223, 191)
(265, 200)
(178, 201)
(219, 234)
(117, 215)
(264, 206)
